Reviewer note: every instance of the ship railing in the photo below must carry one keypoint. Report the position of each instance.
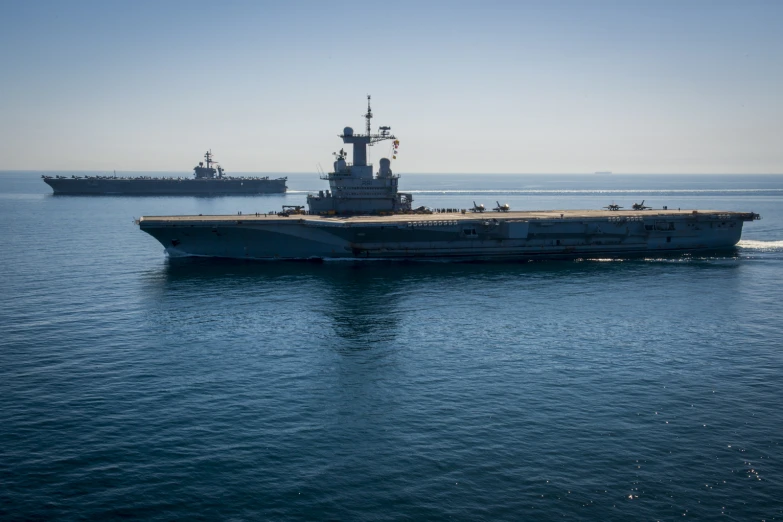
(337, 175)
(347, 174)
(350, 164)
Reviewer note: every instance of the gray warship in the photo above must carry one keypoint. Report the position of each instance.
(363, 216)
(209, 179)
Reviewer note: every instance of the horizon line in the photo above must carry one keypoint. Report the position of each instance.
(603, 174)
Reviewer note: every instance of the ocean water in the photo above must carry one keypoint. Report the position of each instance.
(134, 386)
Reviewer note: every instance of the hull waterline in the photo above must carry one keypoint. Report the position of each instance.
(165, 186)
(459, 237)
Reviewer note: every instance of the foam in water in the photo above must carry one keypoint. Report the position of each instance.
(767, 246)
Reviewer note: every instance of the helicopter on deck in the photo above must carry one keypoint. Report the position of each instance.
(640, 206)
(501, 208)
(613, 207)
(477, 208)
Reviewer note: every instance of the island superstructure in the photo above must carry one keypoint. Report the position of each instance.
(353, 187)
(208, 179)
(363, 216)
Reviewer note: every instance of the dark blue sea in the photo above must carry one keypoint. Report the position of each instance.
(133, 386)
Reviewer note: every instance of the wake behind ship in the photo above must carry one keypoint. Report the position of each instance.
(363, 216)
(209, 179)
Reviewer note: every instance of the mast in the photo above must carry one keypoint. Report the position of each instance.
(368, 116)
(360, 142)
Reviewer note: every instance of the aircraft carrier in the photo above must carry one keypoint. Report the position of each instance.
(209, 179)
(363, 216)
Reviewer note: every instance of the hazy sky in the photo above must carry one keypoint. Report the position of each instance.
(482, 87)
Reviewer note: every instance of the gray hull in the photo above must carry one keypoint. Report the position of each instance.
(166, 186)
(514, 235)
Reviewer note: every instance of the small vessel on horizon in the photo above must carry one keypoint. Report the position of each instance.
(363, 216)
(209, 180)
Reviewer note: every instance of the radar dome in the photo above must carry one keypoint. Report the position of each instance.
(385, 169)
(348, 131)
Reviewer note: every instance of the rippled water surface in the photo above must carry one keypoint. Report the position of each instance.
(136, 386)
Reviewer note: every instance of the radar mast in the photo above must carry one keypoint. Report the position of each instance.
(369, 117)
(360, 142)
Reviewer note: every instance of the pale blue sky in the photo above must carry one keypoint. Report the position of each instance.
(522, 87)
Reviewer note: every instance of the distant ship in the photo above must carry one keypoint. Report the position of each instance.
(363, 216)
(209, 180)
(603, 172)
